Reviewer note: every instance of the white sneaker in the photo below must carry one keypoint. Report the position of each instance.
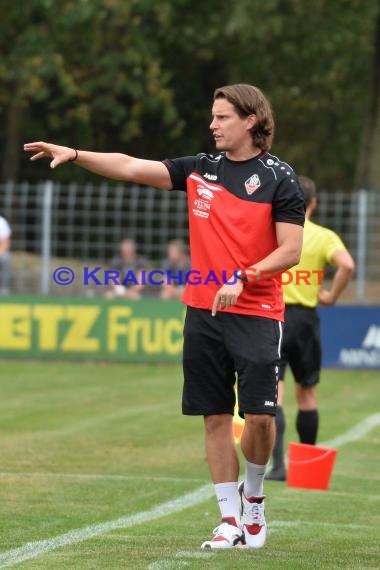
(253, 519)
(226, 535)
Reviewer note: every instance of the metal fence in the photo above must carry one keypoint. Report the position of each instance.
(74, 225)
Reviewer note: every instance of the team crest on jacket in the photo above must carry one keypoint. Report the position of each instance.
(252, 184)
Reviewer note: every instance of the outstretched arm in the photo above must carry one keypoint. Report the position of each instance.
(111, 165)
(345, 268)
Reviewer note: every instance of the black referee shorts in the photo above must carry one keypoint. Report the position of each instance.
(222, 349)
(301, 346)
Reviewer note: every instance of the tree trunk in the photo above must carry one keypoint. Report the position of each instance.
(12, 145)
(368, 167)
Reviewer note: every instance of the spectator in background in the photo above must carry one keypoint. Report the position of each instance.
(129, 266)
(177, 263)
(5, 257)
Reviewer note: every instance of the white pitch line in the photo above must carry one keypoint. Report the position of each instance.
(39, 547)
(100, 476)
(193, 554)
(171, 564)
(290, 524)
(168, 564)
(357, 432)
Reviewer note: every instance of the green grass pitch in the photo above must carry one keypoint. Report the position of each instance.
(86, 443)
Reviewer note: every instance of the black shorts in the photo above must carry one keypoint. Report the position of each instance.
(222, 349)
(301, 346)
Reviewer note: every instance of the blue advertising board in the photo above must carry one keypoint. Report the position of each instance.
(350, 336)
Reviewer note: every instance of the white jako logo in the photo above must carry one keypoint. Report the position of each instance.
(210, 176)
(372, 338)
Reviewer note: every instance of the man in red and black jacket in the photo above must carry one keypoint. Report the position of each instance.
(246, 216)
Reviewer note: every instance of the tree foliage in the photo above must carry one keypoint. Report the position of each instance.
(138, 76)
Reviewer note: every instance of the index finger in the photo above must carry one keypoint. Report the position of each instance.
(38, 155)
(215, 304)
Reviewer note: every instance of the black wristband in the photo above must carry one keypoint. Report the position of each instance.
(244, 278)
(75, 157)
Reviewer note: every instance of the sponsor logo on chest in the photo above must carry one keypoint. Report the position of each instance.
(203, 203)
(204, 195)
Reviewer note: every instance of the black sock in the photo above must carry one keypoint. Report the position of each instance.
(278, 450)
(307, 426)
